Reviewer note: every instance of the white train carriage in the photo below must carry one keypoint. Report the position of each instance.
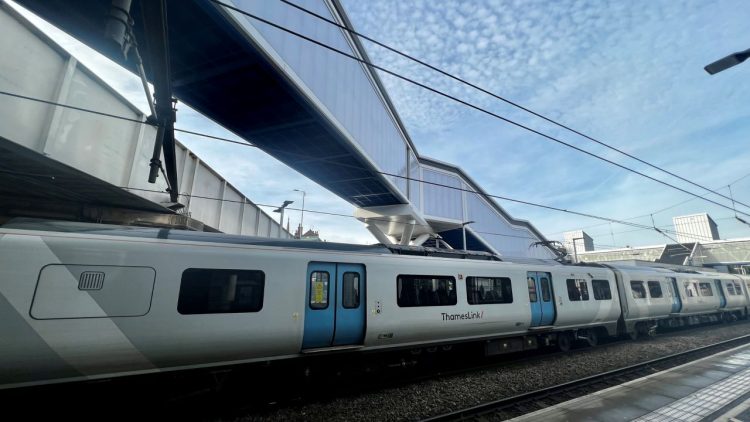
(84, 301)
(647, 296)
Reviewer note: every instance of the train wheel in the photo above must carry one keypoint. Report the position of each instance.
(593, 338)
(564, 342)
(633, 334)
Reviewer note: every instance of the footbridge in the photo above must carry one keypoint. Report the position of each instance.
(320, 112)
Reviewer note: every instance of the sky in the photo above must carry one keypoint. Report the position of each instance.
(627, 73)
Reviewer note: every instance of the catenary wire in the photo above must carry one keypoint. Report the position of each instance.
(497, 96)
(313, 211)
(460, 101)
(248, 144)
(655, 212)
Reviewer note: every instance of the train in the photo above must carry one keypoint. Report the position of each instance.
(87, 301)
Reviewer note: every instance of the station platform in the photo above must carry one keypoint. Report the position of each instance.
(714, 388)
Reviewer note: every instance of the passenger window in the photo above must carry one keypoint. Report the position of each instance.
(706, 289)
(639, 292)
(319, 282)
(426, 290)
(737, 287)
(690, 289)
(654, 289)
(545, 289)
(350, 290)
(480, 290)
(730, 289)
(532, 289)
(601, 289)
(212, 291)
(577, 289)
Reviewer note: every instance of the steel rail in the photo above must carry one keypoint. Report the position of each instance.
(548, 393)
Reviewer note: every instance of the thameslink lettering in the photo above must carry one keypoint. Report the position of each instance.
(465, 315)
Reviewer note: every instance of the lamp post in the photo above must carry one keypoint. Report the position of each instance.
(281, 210)
(302, 215)
(463, 231)
(727, 62)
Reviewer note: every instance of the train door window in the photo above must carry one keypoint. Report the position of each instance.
(654, 289)
(319, 286)
(690, 289)
(215, 291)
(350, 290)
(480, 290)
(730, 288)
(532, 289)
(602, 290)
(426, 290)
(577, 289)
(639, 292)
(737, 287)
(546, 294)
(706, 289)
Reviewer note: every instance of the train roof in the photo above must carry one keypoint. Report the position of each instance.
(185, 235)
(216, 237)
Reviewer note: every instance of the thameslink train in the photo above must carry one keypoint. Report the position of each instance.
(81, 301)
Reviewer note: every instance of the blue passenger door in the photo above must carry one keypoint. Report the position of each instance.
(335, 308)
(722, 297)
(676, 299)
(541, 298)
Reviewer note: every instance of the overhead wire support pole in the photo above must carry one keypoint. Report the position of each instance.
(155, 27)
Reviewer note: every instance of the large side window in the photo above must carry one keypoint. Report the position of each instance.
(350, 290)
(602, 290)
(639, 292)
(546, 293)
(706, 289)
(730, 288)
(426, 290)
(480, 290)
(216, 291)
(577, 289)
(654, 289)
(320, 282)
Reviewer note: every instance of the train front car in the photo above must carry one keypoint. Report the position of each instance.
(84, 301)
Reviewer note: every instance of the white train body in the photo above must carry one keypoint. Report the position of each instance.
(85, 301)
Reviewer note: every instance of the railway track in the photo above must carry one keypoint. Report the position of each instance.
(521, 404)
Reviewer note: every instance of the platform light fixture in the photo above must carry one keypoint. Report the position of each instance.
(727, 62)
(281, 210)
(302, 215)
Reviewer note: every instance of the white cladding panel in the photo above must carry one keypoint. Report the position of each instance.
(206, 186)
(85, 140)
(264, 225)
(230, 212)
(250, 220)
(442, 195)
(29, 67)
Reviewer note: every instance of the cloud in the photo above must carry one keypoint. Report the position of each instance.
(629, 73)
